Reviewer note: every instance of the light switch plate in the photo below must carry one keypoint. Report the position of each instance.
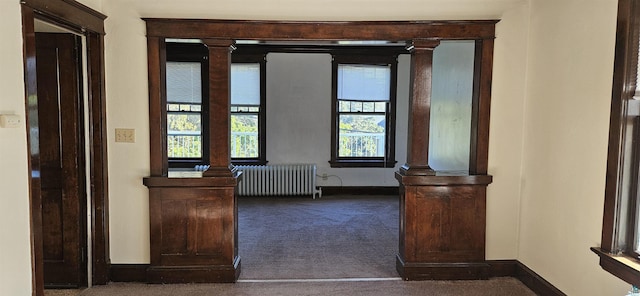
(125, 135)
(9, 120)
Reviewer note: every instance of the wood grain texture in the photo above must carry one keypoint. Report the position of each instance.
(219, 107)
(459, 199)
(98, 165)
(282, 30)
(156, 51)
(69, 11)
(481, 107)
(61, 145)
(442, 227)
(193, 230)
(85, 21)
(419, 108)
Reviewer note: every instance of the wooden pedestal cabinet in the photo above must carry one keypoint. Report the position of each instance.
(194, 230)
(442, 227)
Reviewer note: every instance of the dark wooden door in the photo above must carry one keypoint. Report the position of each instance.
(61, 159)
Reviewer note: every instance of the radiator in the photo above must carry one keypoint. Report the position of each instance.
(278, 179)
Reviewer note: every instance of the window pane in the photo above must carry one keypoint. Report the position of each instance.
(244, 136)
(356, 107)
(362, 136)
(364, 82)
(381, 107)
(368, 107)
(345, 106)
(184, 136)
(245, 84)
(184, 82)
(173, 107)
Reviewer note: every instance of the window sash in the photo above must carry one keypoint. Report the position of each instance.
(185, 143)
(245, 144)
(355, 141)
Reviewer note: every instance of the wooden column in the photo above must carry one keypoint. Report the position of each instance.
(219, 107)
(194, 221)
(419, 107)
(442, 217)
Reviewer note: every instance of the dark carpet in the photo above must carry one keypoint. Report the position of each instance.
(327, 238)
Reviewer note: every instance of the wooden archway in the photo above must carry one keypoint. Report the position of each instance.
(442, 218)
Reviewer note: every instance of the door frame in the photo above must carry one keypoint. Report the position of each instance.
(89, 23)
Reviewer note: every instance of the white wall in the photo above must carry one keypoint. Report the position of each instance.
(505, 133)
(127, 107)
(15, 254)
(570, 67)
(299, 118)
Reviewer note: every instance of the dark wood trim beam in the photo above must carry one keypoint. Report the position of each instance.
(419, 107)
(481, 109)
(219, 107)
(99, 163)
(265, 48)
(440, 180)
(31, 106)
(70, 11)
(156, 55)
(282, 30)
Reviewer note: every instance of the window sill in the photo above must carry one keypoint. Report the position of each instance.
(362, 163)
(624, 267)
(184, 163)
(248, 162)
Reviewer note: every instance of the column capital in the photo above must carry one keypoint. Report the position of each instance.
(422, 44)
(215, 42)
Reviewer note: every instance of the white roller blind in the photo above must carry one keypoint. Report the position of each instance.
(245, 84)
(364, 82)
(184, 83)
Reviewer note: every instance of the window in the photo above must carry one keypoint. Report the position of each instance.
(247, 109)
(186, 70)
(620, 248)
(363, 108)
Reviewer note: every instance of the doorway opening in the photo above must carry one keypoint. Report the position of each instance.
(66, 133)
(58, 137)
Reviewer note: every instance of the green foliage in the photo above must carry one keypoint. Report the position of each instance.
(361, 135)
(184, 146)
(244, 136)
